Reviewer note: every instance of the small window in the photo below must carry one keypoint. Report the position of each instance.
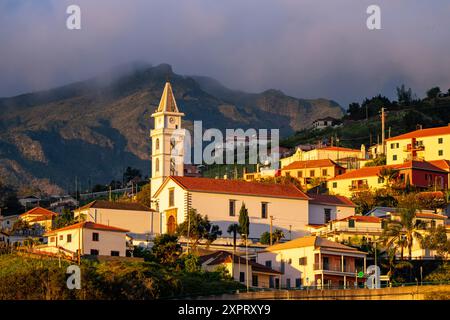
(157, 144)
(288, 174)
(327, 215)
(288, 283)
(351, 223)
(380, 180)
(299, 174)
(242, 277)
(324, 172)
(441, 152)
(61, 237)
(268, 263)
(157, 165)
(440, 140)
(254, 280)
(115, 253)
(302, 261)
(311, 173)
(95, 236)
(69, 238)
(334, 185)
(232, 208)
(392, 145)
(394, 157)
(289, 261)
(52, 239)
(264, 209)
(298, 282)
(171, 197)
(397, 145)
(94, 252)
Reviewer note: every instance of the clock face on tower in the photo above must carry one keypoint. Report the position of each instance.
(171, 120)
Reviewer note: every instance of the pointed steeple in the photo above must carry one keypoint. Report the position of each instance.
(167, 103)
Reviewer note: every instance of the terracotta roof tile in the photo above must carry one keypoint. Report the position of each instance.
(239, 187)
(311, 164)
(374, 171)
(39, 211)
(103, 204)
(442, 164)
(87, 225)
(422, 133)
(330, 200)
(311, 241)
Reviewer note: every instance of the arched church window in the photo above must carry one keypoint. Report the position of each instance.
(157, 165)
(157, 144)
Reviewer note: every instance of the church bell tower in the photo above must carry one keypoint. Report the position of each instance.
(167, 140)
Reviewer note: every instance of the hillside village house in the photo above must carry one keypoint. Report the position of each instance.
(332, 153)
(135, 217)
(324, 208)
(314, 261)
(421, 174)
(308, 172)
(351, 228)
(221, 200)
(260, 276)
(7, 222)
(86, 238)
(40, 216)
(326, 122)
(423, 144)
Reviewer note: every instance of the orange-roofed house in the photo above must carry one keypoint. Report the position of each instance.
(315, 261)
(351, 230)
(221, 200)
(86, 238)
(421, 174)
(423, 144)
(332, 153)
(312, 170)
(39, 216)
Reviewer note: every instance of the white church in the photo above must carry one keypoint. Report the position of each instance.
(220, 199)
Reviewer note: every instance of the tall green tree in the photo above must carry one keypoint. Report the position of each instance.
(166, 249)
(433, 92)
(244, 221)
(196, 227)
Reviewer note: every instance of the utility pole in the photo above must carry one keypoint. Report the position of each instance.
(290, 232)
(271, 224)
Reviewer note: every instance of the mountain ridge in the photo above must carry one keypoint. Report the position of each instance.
(94, 129)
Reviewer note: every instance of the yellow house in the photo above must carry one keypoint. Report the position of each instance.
(424, 144)
(260, 276)
(314, 261)
(312, 170)
(39, 216)
(421, 174)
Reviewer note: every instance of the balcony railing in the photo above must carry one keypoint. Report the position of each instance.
(355, 230)
(334, 268)
(360, 187)
(409, 148)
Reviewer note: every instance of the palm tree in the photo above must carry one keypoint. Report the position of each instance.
(388, 175)
(278, 235)
(234, 229)
(402, 233)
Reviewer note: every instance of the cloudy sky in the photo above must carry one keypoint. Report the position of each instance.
(306, 48)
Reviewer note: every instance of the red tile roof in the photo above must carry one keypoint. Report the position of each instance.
(442, 164)
(430, 215)
(423, 133)
(330, 200)
(374, 171)
(88, 225)
(362, 219)
(311, 164)
(238, 187)
(312, 241)
(103, 204)
(39, 211)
